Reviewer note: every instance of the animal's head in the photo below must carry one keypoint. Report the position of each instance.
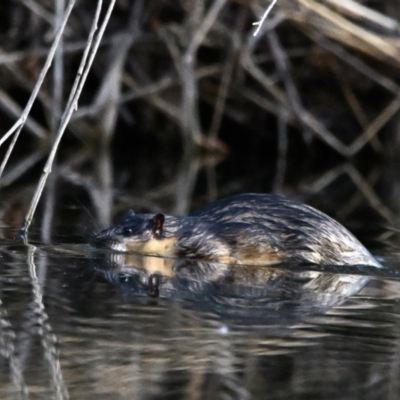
(133, 233)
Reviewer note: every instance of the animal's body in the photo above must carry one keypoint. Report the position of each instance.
(251, 229)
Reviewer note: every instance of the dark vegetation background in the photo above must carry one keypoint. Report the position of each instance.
(184, 105)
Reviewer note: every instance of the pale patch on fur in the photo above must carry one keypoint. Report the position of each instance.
(251, 256)
(260, 259)
(162, 247)
(225, 259)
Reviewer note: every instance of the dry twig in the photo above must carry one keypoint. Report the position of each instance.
(86, 63)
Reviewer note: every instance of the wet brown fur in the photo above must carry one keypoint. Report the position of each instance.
(252, 229)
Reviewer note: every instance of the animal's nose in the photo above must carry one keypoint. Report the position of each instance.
(99, 238)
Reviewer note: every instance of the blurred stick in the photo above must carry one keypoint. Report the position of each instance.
(170, 109)
(307, 118)
(349, 94)
(13, 108)
(21, 167)
(152, 94)
(369, 193)
(186, 180)
(27, 84)
(350, 34)
(381, 120)
(365, 13)
(39, 11)
(107, 99)
(190, 119)
(323, 180)
(279, 177)
(359, 181)
(86, 63)
(349, 206)
(17, 127)
(16, 56)
(283, 66)
(355, 62)
(227, 72)
(355, 105)
(58, 71)
(58, 83)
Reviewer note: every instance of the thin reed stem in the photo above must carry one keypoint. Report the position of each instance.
(87, 60)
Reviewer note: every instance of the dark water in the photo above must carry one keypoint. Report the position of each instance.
(84, 324)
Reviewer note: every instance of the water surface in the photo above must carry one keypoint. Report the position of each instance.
(83, 323)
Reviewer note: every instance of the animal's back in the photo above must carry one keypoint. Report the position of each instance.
(244, 229)
(256, 224)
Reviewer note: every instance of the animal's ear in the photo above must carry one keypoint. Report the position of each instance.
(131, 213)
(158, 221)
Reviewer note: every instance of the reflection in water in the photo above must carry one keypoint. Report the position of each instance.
(239, 291)
(123, 326)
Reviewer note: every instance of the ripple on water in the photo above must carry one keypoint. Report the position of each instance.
(86, 323)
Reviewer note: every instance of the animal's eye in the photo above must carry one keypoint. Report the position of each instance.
(127, 231)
